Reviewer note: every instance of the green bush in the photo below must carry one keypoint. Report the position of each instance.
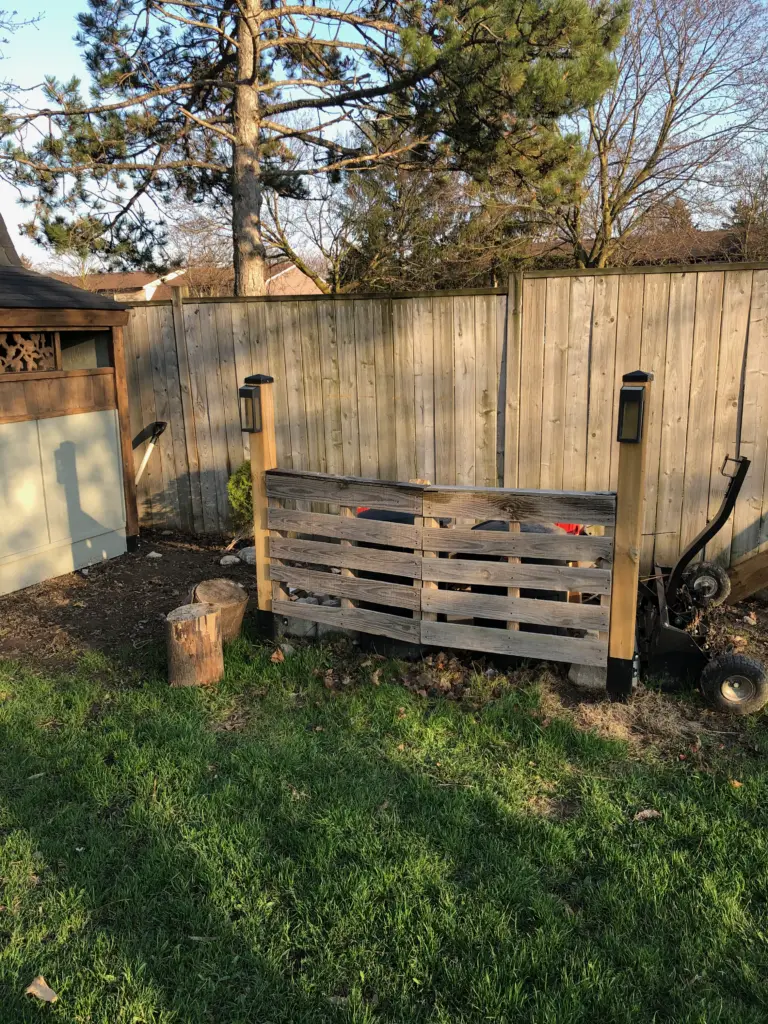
(241, 497)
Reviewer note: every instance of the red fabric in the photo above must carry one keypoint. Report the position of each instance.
(363, 508)
(571, 528)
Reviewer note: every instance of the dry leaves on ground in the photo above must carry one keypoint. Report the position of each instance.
(647, 815)
(40, 989)
(277, 656)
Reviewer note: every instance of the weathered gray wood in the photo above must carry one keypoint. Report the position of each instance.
(543, 646)
(398, 595)
(590, 508)
(344, 490)
(378, 560)
(505, 574)
(517, 609)
(526, 545)
(364, 531)
(379, 623)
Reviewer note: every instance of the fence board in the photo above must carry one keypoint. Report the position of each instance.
(486, 376)
(555, 377)
(313, 386)
(424, 389)
(217, 416)
(531, 382)
(629, 334)
(164, 456)
(601, 393)
(385, 395)
(329, 377)
(464, 388)
(445, 429)
(653, 354)
(576, 394)
(199, 408)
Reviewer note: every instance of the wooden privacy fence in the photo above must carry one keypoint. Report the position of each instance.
(515, 387)
(431, 581)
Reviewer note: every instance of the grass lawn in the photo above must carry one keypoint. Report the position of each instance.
(276, 851)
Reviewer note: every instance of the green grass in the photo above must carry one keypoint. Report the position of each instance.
(334, 858)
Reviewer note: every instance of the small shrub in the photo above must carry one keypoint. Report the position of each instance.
(241, 497)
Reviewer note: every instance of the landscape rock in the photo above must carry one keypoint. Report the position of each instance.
(247, 555)
(154, 554)
(229, 560)
(307, 600)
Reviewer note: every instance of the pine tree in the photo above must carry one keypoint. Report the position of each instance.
(211, 97)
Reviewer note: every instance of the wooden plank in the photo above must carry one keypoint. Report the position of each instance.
(575, 429)
(405, 407)
(379, 623)
(350, 427)
(363, 531)
(748, 576)
(294, 380)
(154, 505)
(273, 328)
(124, 428)
(445, 435)
(653, 355)
(367, 332)
(517, 544)
(210, 358)
(701, 405)
(263, 453)
(521, 506)
(131, 342)
(512, 379)
(674, 417)
(426, 524)
(424, 390)
(601, 372)
(187, 406)
(313, 387)
(178, 465)
(486, 384)
(733, 339)
(350, 492)
(555, 379)
(629, 335)
(198, 394)
(379, 560)
(241, 347)
(9, 377)
(542, 646)
(518, 609)
(500, 306)
(464, 389)
(329, 377)
(229, 387)
(171, 515)
(384, 354)
(315, 552)
(506, 574)
(531, 382)
(76, 319)
(397, 595)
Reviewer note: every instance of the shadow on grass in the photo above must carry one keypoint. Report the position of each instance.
(323, 864)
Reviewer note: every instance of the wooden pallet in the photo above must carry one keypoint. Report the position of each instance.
(433, 579)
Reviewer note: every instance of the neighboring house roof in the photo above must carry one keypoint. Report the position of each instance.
(26, 289)
(643, 248)
(142, 286)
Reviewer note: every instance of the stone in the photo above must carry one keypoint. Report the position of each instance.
(229, 560)
(154, 554)
(326, 629)
(307, 600)
(247, 555)
(590, 678)
(287, 650)
(331, 602)
(299, 627)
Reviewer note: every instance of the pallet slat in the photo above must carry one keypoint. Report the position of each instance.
(589, 508)
(516, 609)
(378, 560)
(515, 643)
(348, 491)
(398, 595)
(525, 545)
(379, 623)
(363, 531)
(505, 574)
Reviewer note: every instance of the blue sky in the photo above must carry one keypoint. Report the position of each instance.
(43, 49)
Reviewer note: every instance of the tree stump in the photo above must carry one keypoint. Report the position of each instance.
(230, 597)
(193, 637)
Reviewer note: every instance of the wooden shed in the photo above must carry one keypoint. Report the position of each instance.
(67, 495)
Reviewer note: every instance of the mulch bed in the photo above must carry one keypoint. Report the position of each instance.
(117, 606)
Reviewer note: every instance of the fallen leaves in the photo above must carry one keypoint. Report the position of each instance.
(649, 814)
(40, 989)
(735, 783)
(277, 657)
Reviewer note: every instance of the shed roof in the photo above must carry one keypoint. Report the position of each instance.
(26, 289)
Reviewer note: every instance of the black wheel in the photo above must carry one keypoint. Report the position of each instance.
(708, 584)
(735, 684)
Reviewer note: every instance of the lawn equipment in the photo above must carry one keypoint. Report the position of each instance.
(672, 628)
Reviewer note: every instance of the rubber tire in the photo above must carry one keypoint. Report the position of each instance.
(716, 572)
(718, 671)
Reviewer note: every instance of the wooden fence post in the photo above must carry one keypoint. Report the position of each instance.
(634, 403)
(263, 457)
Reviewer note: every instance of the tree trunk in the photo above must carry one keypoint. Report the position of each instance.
(249, 251)
(230, 598)
(193, 637)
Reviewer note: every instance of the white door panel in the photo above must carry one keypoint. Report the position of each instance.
(23, 524)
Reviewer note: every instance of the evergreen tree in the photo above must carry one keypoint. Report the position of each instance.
(210, 98)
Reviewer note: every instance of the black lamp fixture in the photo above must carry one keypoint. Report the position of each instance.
(250, 402)
(632, 406)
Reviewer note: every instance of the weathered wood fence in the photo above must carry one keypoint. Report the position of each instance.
(491, 387)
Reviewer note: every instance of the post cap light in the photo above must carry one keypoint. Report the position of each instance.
(632, 406)
(250, 402)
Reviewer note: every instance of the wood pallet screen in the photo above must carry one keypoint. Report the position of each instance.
(433, 579)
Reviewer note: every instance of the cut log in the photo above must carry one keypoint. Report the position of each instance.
(230, 597)
(193, 637)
